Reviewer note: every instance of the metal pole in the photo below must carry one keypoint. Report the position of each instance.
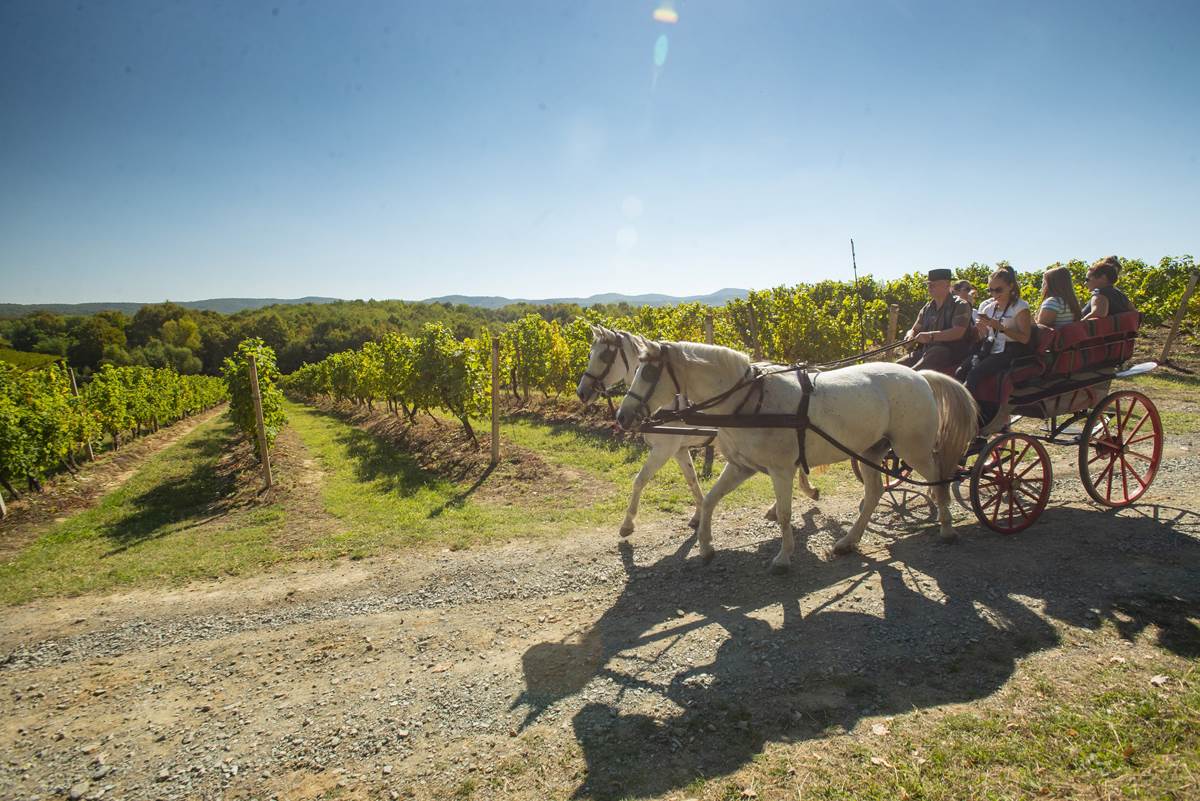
(1179, 315)
(862, 333)
(261, 428)
(706, 471)
(495, 396)
(75, 390)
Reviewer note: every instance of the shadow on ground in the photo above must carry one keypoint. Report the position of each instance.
(826, 668)
(193, 498)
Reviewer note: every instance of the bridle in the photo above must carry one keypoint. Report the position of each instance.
(652, 369)
(608, 358)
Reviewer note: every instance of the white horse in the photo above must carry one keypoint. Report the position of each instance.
(928, 419)
(613, 359)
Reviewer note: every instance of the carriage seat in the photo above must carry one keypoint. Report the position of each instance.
(1061, 354)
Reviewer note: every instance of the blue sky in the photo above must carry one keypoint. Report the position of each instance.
(187, 150)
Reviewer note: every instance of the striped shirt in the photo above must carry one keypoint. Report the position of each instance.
(1062, 312)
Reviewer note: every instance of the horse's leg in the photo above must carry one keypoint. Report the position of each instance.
(808, 489)
(660, 452)
(782, 481)
(730, 478)
(926, 464)
(872, 491)
(684, 457)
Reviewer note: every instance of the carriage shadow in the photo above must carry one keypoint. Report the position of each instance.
(953, 623)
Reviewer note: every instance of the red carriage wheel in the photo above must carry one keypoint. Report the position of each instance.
(1121, 448)
(1010, 483)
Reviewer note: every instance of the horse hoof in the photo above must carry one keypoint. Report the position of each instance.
(816, 496)
(948, 539)
(842, 548)
(779, 570)
(626, 530)
(694, 523)
(772, 515)
(707, 557)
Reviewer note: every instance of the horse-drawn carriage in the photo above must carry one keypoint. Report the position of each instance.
(1064, 381)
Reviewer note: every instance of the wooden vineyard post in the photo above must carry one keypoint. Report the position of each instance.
(706, 471)
(260, 427)
(754, 336)
(75, 391)
(3, 508)
(1179, 315)
(495, 395)
(893, 319)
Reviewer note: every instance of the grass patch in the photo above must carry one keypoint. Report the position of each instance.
(384, 498)
(1128, 742)
(164, 525)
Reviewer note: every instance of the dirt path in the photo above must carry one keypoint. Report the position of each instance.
(583, 666)
(66, 495)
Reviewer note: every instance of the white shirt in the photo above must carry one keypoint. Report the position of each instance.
(990, 309)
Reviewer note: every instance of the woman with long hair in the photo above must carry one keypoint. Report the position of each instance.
(1059, 303)
(1005, 326)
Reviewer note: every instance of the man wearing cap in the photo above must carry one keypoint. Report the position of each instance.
(940, 332)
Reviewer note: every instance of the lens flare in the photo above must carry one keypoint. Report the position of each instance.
(666, 14)
(660, 50)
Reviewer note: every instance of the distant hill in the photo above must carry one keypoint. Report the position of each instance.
(718, 298)
(222, 305)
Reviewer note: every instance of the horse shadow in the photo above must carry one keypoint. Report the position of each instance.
(953, 623)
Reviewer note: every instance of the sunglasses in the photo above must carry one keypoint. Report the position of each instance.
(996, 290)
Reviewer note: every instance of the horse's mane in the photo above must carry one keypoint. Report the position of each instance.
(714, 355)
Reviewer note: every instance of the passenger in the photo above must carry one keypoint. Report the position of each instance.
(966, 293)
(940, 330)
(1004, 329)
(1059, 304)
(1106, 299)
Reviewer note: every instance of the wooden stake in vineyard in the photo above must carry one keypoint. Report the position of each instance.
(1179, 315)
(495, 395)
(260, 428)
(3, 508)
(893, 320)
(706, 471)
(75, 390)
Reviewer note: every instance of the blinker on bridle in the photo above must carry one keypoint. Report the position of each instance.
(652, 370)
(608, 358)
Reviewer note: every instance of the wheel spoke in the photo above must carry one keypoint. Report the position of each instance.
(1035, 463)
(1037, 498)
(1122, 424)
(1151, 435)
(1021, 506)
(1105, 471)
(1138, 455)
(1124, 479)
(1129, 467)
(1021, 458)
(1137, 428)
(1010, 509)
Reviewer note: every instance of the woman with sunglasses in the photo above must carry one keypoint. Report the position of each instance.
(1004, 328)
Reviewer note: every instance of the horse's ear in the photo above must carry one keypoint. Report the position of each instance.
(649, 349)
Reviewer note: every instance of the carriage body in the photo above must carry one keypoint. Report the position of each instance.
(1066, 381)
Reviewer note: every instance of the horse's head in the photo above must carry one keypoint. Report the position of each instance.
(607, 364)
(646, 391)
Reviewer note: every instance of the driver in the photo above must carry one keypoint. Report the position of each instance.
(940, 331)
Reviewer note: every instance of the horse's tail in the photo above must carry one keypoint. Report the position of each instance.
(958, 419)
